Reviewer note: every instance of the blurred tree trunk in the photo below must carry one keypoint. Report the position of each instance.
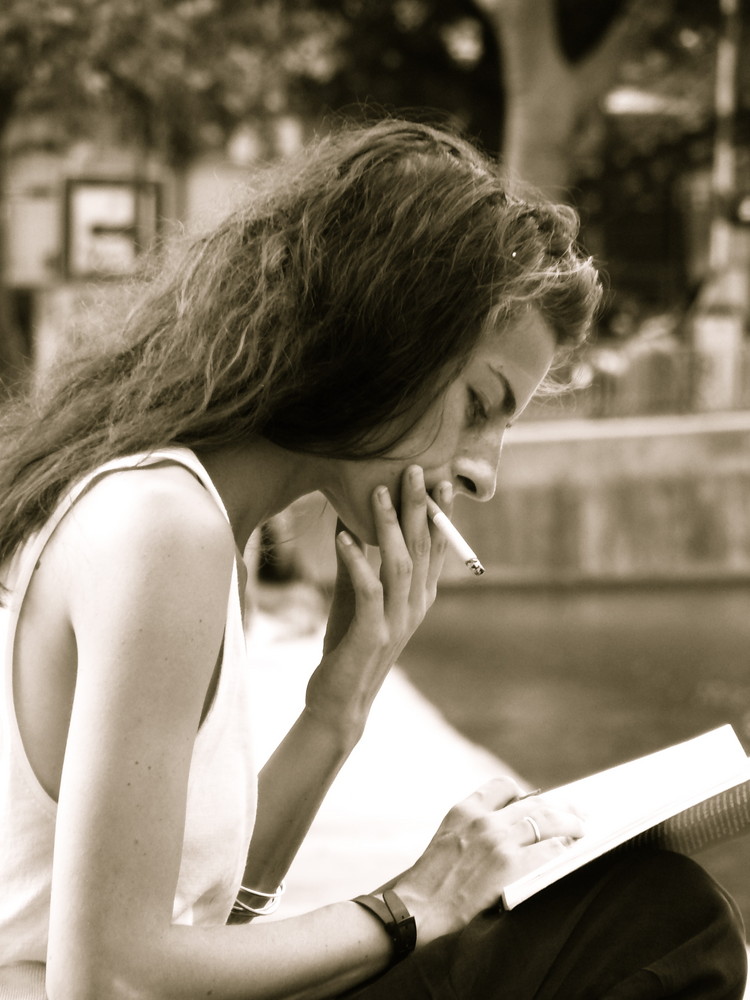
(548, 97)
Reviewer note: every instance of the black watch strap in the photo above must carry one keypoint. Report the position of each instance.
(399, 923)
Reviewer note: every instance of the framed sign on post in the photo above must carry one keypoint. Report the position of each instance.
(107, 224)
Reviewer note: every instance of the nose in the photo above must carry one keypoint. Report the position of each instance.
(475, 470)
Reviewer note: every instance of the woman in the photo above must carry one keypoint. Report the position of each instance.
(366, 326)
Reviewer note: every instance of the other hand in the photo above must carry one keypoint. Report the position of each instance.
(483, 844)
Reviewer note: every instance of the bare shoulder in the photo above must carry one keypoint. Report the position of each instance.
(155, 506)
(157, 523)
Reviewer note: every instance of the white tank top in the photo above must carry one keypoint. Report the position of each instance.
(222, 784)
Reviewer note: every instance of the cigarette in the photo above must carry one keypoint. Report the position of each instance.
(454, 537)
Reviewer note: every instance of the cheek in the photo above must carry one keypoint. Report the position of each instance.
(436, 439)
(446, 441)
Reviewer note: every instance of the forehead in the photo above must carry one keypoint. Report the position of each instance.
(524, 345)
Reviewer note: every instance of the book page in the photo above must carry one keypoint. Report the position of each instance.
(719, 818)
(623, 801)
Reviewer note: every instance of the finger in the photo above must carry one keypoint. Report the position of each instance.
(415, 524)
(343, 579)
(368, 591)
(395, 560)
(443, 496)
(546, 824)
(532, 802)
(531, 829)
(537, 854)
(340, 526)
(344, 601)
(491, 796)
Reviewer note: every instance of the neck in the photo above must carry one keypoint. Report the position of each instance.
(257, 480)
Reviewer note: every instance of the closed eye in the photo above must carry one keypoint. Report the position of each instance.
(476, 411)
(509, 405)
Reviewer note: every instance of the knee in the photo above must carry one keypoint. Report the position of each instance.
(679, 899)
(679, 883)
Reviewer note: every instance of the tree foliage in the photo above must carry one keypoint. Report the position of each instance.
(182, 74)
(177, 74)
(433, 58)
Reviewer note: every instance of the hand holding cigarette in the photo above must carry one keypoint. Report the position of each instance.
(454, 537)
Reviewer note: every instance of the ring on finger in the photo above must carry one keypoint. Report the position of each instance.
(535, 828)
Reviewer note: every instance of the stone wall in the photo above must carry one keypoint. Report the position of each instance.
(660, 498)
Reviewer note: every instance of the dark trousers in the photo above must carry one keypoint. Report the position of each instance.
(639, 926)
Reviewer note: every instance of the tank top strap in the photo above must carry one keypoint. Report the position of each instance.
(187, 458)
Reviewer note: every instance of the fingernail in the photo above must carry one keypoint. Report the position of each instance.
(345, 538)
(446, 493)
(384, 497)
(416, 476)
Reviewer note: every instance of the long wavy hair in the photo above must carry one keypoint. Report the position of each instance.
(336, 303)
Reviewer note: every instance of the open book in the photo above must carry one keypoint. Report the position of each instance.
(684, 798)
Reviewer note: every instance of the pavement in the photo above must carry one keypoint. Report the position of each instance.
(409, 768)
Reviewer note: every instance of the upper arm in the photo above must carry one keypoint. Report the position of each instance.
(147, 601)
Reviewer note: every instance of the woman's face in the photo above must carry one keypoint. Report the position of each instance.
(460, 437)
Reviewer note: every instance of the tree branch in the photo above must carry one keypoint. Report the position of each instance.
(546, 96)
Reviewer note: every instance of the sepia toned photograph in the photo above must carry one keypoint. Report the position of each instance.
(374, 499)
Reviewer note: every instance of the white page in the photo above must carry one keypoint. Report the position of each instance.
(624, 800)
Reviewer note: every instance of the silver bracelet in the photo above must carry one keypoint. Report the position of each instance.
(269, 907)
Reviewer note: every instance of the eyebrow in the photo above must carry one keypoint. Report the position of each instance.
(510, 404)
